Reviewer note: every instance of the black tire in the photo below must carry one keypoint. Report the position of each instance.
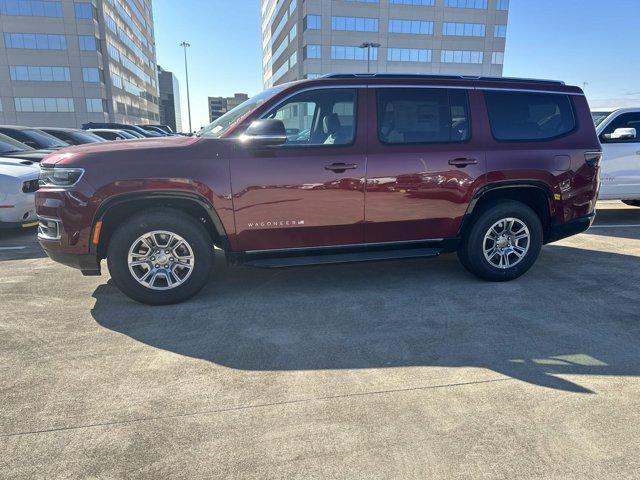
(471, 251)
(170, 220)
(632, 203)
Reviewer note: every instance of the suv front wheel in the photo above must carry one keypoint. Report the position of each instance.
(160, 257)
(503, 242)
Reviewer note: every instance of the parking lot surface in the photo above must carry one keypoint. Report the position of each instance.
(408, 369)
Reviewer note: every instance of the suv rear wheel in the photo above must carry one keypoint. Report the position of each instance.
(160, 257)
(503, 242)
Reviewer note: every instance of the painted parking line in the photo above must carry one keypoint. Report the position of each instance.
(12, 248)
(615, 226)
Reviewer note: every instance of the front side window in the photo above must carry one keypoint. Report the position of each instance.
(227, 121)
(319, 117)
(422, 115)
(520, 116)
(626, 120)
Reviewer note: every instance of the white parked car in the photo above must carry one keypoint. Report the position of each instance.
(18, 183)
(619, 133)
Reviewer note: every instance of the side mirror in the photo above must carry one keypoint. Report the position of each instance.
(622, 134)
(265, 132)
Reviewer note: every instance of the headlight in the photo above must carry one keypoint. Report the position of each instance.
(60, 177)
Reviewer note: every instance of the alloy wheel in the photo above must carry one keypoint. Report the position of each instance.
(161, 260)
(506, 243)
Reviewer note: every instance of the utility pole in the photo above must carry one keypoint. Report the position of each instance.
(368, 46)
(186, 72)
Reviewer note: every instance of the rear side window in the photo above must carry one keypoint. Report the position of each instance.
(422, 115)
(529, 116)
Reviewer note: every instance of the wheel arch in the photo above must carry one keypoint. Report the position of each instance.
(535, 194)
(120, 207)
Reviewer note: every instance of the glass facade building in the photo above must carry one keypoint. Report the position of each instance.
(170, 111)
(64, 62)
(309, 38)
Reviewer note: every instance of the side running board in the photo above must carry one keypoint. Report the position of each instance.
(349, 257)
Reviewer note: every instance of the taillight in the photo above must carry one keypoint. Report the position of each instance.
(593, 158)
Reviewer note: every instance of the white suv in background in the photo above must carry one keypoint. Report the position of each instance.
(619, 133)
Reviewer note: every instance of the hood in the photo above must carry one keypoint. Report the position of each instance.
(23, 169)
(116, 149)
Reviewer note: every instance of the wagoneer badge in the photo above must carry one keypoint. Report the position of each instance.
(277, 223)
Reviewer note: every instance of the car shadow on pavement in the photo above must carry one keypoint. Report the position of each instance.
(560, 319)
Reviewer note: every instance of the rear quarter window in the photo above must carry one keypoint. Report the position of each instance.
(523, 116)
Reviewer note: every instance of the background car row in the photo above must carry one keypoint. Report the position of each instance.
(22, 148)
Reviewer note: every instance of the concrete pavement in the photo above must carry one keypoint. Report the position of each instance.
(410, 369)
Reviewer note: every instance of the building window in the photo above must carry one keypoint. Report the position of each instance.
(87, 42)
(463, 29)
(415, 27)
(312, 22)
(408, 55)
(342, 52)
(422, 115)
(31, 8)
(500, 31)
(90, 74)
(420, 3)
(28, 104)
(84, 10)
(354, 24)
(113, 51)
(94, 105)
(460, 56)
(480, 4)
(313, 51)
(39, 74)
(502, 5)
(497, 58)
(293, 59)
(38, 41)
(293, 32)
(116, 80)
(111, 23)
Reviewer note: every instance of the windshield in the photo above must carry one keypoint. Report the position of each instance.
(599, 117)
(229, 119)
(9, 145)
(44, 140)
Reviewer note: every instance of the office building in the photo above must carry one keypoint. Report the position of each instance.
(170, 112)
(65, 62)
(218, 106)
(306, 39)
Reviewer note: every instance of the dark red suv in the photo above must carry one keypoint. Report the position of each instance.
(338, 169)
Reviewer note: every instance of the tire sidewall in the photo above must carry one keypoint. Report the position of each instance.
(474, 245)
(175, 222)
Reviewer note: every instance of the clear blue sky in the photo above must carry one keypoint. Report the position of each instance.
(593, 41)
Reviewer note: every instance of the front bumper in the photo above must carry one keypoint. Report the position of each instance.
(570, 228)
(88, 264)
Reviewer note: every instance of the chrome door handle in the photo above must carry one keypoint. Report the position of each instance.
(341, 167)
(463, 162)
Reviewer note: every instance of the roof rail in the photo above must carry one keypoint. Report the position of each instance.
(442, 77)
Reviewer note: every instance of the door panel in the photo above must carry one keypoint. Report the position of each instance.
(295, 195)
(417, 190)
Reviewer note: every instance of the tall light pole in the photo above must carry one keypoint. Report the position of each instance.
(368, 46)
(186, 72)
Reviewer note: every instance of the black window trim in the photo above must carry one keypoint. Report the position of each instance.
(282, 102)
(576, 119)
(468, 140)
